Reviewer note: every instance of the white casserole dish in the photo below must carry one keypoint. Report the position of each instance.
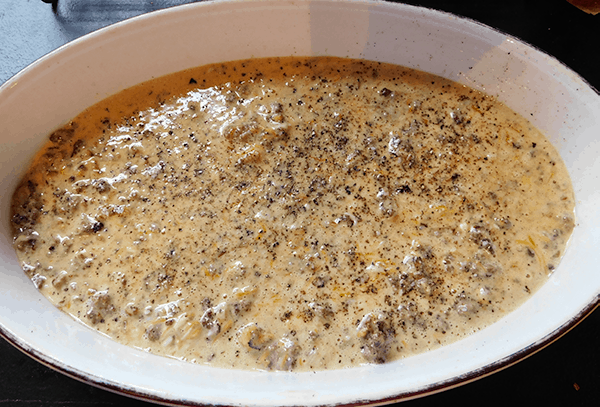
(60, 85)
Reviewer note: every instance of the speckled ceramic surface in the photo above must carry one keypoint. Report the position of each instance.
(57, 87)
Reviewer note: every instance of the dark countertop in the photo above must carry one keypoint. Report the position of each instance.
(565, 373)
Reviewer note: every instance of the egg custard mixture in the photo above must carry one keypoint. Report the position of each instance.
(293, 214)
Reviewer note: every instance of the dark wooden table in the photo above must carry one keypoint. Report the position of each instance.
(566, 373)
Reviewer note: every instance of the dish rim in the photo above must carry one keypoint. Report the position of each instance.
(429, 389)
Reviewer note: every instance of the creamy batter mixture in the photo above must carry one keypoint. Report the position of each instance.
(293, 214)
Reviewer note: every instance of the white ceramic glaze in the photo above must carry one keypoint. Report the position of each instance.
(60, 85)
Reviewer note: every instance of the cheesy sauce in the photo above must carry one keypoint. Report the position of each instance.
(293, 214)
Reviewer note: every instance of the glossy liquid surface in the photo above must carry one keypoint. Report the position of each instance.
(293, 214)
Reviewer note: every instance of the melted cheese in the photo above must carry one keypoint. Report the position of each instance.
(293, 214)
